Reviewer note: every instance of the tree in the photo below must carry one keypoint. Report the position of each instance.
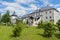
(18, 29)
(49, 28)
(41, 24)
(6, 17)
(0, 17)
(58, 25)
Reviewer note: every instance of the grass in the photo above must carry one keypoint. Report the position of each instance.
(30, 33)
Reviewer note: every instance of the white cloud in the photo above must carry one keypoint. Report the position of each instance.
(24, 1)
(57, 5)
(45, 2)
(33, 6)
(17, 7)
(58, 9)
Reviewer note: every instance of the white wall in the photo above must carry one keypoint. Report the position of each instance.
(56, 17)
(53, 14)
(47, 15)
(13, 19)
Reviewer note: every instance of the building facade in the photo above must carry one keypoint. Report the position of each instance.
(45, 14)
(13, 18)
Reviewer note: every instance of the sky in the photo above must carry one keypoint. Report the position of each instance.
(22, 7)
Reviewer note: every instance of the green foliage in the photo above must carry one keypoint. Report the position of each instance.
(41, 24)
(0, 17)
(30, 33)
(16, 32)
(58, 25)
(6, 17)
(49, 28)
(18, 29)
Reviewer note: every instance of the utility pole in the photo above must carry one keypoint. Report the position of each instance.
(0, 17)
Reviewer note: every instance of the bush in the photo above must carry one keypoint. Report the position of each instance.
(41, 24)
(49, 29)
(6, 18)
(18, 29)
(58, 25)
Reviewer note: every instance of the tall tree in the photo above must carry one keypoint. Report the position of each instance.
(58, 25)
(0, 17)
(6, 17)
(18, 29)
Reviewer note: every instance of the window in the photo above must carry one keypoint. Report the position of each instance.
(35, 19)
(46, 12)
(50, 11)
(38, 18)
(50, 17)
(46, 17)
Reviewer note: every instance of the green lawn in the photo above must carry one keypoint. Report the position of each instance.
(30, 33)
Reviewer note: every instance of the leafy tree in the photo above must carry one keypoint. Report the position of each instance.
(58, 25)
(6, 18)
(49, 29)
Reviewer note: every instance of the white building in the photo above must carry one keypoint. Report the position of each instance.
(13, 18)
(45, 14)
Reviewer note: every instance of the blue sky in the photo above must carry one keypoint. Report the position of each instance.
(22, 7)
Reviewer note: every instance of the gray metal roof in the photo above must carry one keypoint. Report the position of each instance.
(14, 14)
(41, 10)
(44, 9)
(48, 8)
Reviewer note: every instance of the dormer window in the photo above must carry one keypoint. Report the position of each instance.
(46, 12)
(50, 11)
(14, 14)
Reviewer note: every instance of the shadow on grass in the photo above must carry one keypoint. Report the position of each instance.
(43, 35)
(12, 36)
(57, 36)
(40, 27)
(26, 27)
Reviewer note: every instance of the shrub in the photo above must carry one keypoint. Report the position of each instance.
(49, 29)
(41, 24)
(18, 29)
